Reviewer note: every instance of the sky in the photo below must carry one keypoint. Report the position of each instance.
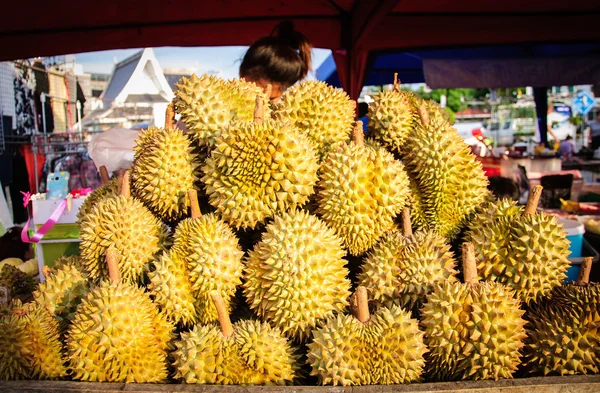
(225, 60)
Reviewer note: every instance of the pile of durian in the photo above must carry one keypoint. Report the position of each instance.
(224, 256)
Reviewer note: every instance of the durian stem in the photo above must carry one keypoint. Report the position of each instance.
(584, 271)
(46, 271)
(406, 224)
(469, 263)
(104, 174)
(362, 304)
(358, 135)
(423, 114)
(259, 110)
(533, 200)
(396, 82)
(170, 116)
(112, 261)
(125, 188)
(194, 205)
(224, 321)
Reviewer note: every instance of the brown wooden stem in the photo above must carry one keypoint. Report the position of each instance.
(406, 224)
(358, 135)
(423, 114)
(259, 110)
(469, 263)
(194, 205)
(362, 304)
(104, 174)
(112, 261)
(224, 321)
(396, 82)
(584, 271)
(170, 116)
(533, 200)
(125, 187)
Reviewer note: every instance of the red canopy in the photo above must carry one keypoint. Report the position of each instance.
(351, 28)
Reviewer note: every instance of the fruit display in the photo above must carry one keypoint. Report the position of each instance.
(473, 330)
(361, 189)
(384, 348)
(272, 244)
(520, 248)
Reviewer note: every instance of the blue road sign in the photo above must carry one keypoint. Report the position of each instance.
(583, 102)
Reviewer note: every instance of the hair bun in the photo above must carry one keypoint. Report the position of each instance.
(286, 32)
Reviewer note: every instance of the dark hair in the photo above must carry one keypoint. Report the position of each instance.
(284, 57)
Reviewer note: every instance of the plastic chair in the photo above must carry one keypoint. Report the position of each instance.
(555, 188)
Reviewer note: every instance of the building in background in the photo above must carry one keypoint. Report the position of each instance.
(136, 92)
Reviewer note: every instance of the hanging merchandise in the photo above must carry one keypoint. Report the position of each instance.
(45, 119)
(24, 85)
(58, 92)
(6, 221)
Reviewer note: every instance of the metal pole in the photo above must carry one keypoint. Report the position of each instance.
(78, 105)
(43, 100)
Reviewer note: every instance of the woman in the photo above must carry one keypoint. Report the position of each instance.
(281, 59)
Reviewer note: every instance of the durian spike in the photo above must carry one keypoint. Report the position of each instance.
(533, 200)
(46, 271)
(170, 116)
(584, 271)
(125, 186)
(469, 264)
(396, 82)
(194, 205)
(224, 321)
(406, 224)
(361, 304)
(423, 114)
(259, 110)
(112, 261)
(358, 135)
(104, 174)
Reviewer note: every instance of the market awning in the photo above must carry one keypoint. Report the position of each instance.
(351, 28)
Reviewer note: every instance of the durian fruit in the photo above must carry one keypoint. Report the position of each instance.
(450, 181)
(295, 276)
(63, 290)
(392, 116)
(108, 189)
(208, 104)
(525, 250)
(29, 341)
(125, 223)
(17, 282)
(164, 169)
(403, 268)
(473, 330)
(205, 257)
(322, 112)
(564, 333)
(247, 353)
(117, 333)
(360, 191)
(259, 169)
(384, 348)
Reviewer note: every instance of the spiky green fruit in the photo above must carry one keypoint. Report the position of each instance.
(472, 331)
(529, 253)
(322, 112)
(213, 257)
(563, 340)
(163, 171)
(16, 281)
(392, 115)
(126, 224)
(257, 170)
(450, 180)
(118, 335)
(586, 295)
(256, 354)
(108, 190)
(361, 190)
(403, 271)
(172, 291)
(30, 345)
(208, 104)
(295, 276)
(387, 349)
